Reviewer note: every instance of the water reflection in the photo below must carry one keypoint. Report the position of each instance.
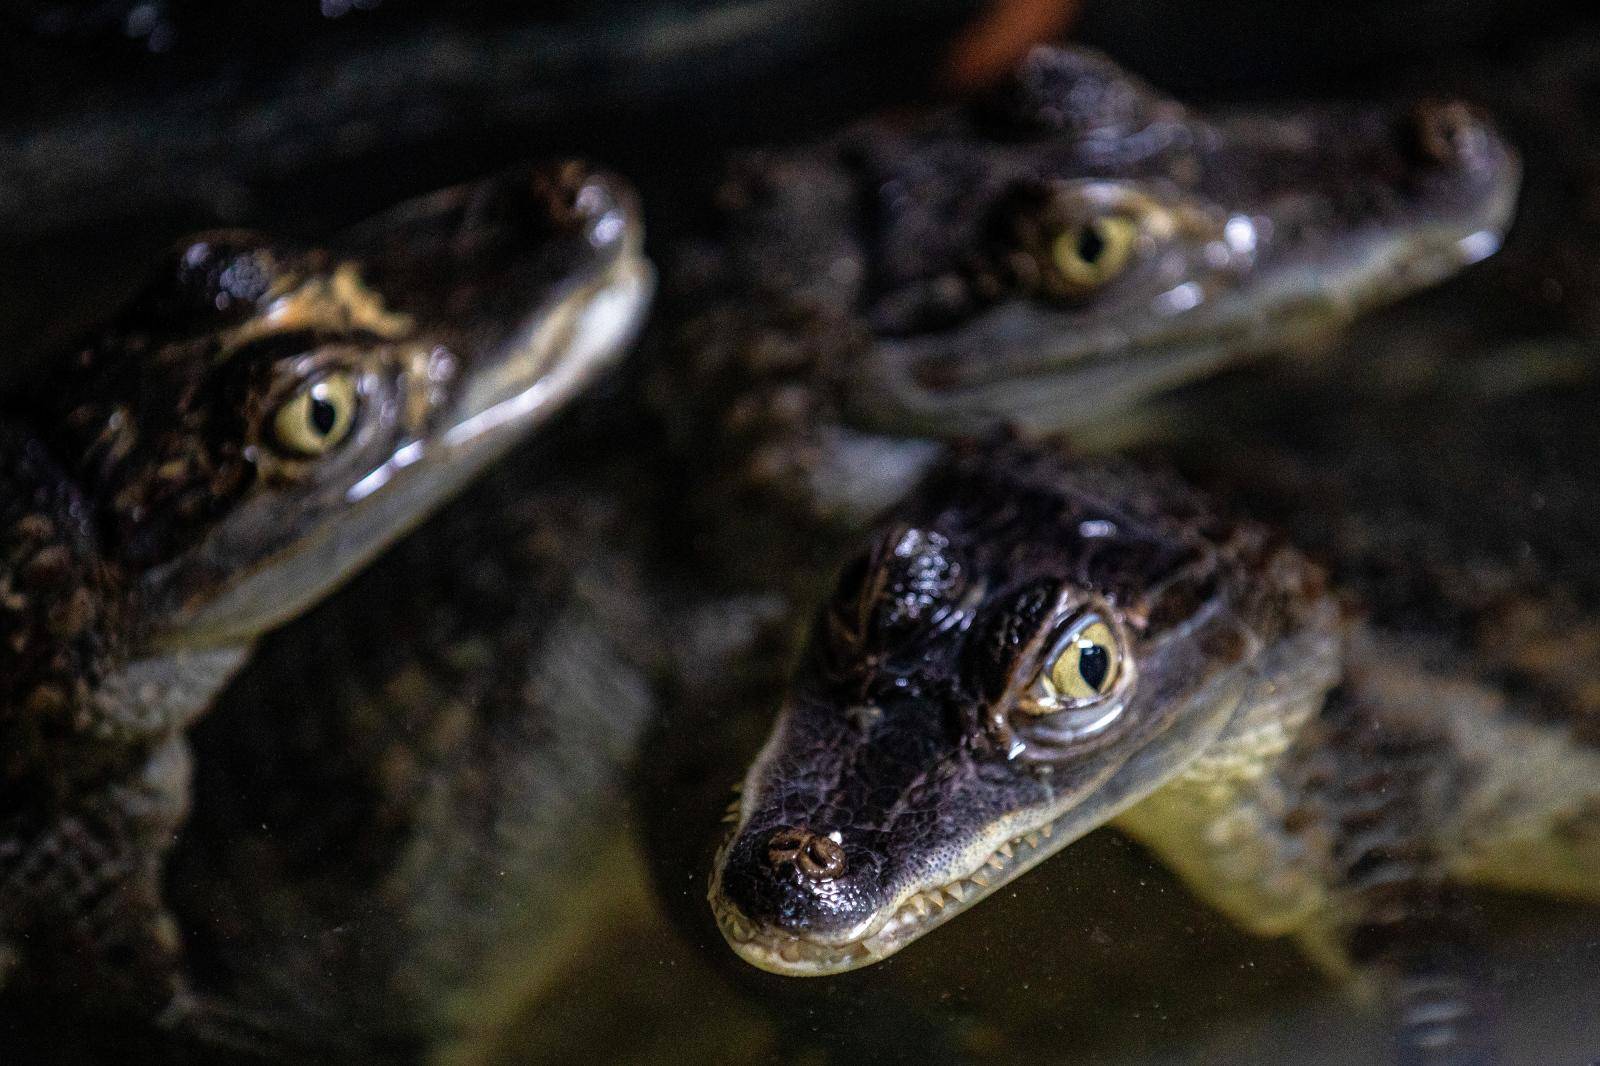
(1098, 956)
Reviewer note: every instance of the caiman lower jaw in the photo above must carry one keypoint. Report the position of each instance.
(912, 915)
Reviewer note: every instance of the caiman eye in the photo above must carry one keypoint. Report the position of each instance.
(1088, 253)
(1082, 678)
(1053, 673)
(1084, 665)
(318, 416)
(1067, 240)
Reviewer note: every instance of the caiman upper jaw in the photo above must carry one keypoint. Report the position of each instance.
(756, 913)
(532, 280)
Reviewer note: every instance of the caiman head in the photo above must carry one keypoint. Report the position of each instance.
(1078, 240)
(1033, 645)
(265, 418)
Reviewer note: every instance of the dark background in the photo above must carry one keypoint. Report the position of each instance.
(126, 123)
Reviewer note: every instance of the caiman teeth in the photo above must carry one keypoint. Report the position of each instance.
(919, 912)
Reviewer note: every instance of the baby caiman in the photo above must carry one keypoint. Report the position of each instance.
(430, 764)
(1044, 258)
(258, 424)
(1039, 645)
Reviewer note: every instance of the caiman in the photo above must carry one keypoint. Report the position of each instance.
(251, 431)
(1038, 645)
(401, 794)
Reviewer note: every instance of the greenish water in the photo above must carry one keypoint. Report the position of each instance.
(1097, 957)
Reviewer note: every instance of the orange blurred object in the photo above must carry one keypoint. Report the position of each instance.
(1002, 35)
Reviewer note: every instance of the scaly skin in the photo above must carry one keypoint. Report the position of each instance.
(1453, 497)
(905, 279)
(491, 685)
(1458, 747)
(258, 424)
(913, 767)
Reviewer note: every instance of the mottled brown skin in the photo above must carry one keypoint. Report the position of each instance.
(1452, 501)
(900, 278)
(907, 737)
(489, 691)
(1440, 466)
(1454, 496)
(1449, 490)
(405, 798)
(258, 423)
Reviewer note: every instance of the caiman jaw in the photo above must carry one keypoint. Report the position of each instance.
(577, 331)
(893, 927)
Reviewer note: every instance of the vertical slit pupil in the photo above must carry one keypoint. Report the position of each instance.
(1094, 663)
(324, 415)
(1091, 244)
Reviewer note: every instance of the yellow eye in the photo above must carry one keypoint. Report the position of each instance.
(318, 416)
(1084, 666)
(1088, 253)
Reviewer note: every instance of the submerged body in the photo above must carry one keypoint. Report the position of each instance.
(410, 802)
(253, 429)
(493, 685)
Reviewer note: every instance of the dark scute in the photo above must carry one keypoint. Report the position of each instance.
(1074, 93)
(905, 586)
(923, 581)
(212, 282)
(1003, 631)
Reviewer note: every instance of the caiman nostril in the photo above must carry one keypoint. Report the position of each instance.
(1447, 133)
(817, 857)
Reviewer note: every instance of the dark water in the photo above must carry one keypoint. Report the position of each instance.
(1098, 956)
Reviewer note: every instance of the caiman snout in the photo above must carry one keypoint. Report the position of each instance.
(815, 856)
(800, 878)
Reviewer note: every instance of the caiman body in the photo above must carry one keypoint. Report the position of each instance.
(1426, 728)
(255, 427)
(482, 697)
